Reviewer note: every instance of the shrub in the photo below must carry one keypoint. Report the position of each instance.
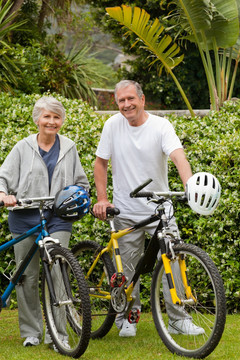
(212, 144)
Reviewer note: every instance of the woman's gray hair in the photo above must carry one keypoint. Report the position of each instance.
(48, 103)
(125, 83)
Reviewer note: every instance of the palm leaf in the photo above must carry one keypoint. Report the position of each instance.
(138, 21)
(149, 32)
(210, 19)
(9, 71)
(6, 24)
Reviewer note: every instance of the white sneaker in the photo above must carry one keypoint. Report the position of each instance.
(31, 341)
(185, 327)
(128, 329)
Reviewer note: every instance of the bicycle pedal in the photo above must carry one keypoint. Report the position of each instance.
(134, 316)
(117, 280)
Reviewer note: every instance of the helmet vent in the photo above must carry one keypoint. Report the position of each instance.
(214, 183)
(205, 180)
(202, 200)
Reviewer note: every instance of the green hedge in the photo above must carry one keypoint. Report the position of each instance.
(212, 144)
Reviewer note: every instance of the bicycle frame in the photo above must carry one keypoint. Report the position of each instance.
(18, 274)
(147, 260)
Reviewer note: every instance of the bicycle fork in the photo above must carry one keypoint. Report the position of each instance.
(47, 261)
(191, 300)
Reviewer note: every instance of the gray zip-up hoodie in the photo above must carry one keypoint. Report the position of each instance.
(24, 173)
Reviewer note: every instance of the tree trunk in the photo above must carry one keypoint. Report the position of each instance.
(16, 6)
(43, 13)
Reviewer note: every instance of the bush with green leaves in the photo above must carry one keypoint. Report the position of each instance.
(212, 144)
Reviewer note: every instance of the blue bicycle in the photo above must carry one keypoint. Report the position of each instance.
(65, 296)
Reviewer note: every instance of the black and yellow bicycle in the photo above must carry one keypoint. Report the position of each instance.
(197, 287)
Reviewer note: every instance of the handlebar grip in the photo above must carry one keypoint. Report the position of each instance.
(145, 194)
(112, 211)
(1, 203)
(139, 188)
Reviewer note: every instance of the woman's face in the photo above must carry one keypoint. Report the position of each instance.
(49, 123)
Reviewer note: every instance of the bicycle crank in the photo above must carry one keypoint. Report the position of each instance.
(118, 299)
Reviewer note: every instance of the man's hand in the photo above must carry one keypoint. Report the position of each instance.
(100, 207)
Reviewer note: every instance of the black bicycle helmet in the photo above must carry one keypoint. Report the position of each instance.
(72, 203)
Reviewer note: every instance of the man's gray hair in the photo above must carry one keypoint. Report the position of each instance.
(48, 103)
(125, 83)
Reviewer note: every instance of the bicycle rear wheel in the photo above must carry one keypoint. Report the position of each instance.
(103, 315)
(208, 312)
(68, 319)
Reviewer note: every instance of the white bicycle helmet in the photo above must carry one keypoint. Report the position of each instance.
(203, 193)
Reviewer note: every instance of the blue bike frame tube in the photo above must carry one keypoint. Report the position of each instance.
(19, 238)
(19, 272)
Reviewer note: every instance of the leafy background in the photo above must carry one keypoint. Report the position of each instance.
(212, 144)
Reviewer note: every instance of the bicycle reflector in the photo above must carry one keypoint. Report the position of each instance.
(203, 193)
(72, 203)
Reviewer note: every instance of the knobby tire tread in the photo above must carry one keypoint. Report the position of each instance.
(85, 303)
(110, 317)
(220, 295)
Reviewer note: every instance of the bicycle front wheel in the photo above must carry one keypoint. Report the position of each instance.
(68, 316)
(207, 313)
(98, 280)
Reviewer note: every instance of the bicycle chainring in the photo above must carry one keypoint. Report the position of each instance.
(118, 299)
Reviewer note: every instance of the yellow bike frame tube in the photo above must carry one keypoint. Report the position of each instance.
(171, 283)
(129, 292)
(183, 269)
(114, 237)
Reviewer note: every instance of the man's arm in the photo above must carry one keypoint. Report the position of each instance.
(184, 169)
(100, 177)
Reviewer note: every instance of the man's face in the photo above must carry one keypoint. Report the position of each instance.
(130, 105)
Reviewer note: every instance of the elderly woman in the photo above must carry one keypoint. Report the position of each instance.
(38, 166)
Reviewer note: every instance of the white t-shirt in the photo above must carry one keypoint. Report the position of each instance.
(137, 153)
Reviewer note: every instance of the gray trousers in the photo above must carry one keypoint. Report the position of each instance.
(29, 308)
(131, 247)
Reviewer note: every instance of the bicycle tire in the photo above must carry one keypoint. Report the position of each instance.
(68, 322)
(209, 312)
(103, 315)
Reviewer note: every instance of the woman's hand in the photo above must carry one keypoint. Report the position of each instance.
(9, 200)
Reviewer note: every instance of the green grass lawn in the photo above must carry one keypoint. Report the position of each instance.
(146, 345)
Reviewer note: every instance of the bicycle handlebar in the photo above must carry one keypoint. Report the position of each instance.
(139, 188)
(147, 194)
(29, 201)
(22, 203)
(136, 193)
